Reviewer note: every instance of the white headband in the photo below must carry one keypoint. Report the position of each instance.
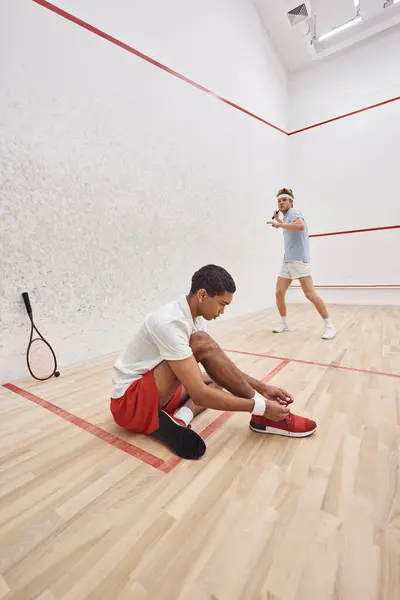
(281, 196)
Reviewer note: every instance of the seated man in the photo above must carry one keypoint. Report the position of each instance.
(158, 386)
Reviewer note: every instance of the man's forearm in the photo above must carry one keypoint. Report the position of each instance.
(257, 385)
(208, 397)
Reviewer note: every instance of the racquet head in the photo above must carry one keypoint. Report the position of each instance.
(41, 360)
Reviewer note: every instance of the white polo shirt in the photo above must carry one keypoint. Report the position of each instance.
(165, 335)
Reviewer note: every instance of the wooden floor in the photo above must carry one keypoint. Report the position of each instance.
(88, 511)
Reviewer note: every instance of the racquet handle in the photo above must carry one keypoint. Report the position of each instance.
(27, 303)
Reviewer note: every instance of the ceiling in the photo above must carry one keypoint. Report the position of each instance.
(298, 45)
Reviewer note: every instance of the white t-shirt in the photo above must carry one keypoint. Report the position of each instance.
(165, 335)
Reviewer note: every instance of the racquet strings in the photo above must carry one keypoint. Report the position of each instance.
(40, 359)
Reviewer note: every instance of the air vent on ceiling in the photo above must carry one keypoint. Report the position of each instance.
(298, 15)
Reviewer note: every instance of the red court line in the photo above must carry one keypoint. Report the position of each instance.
(315, 235)
(105, 436)
(155, 63)
(340, 287)
(154, 461)
(277, 370)
(170, 464)
(350, 114)
(318, 364)
(110, 438)
(212, 427)
(205, 433)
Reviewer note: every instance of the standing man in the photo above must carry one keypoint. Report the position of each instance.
(158, 387)
(296, 262)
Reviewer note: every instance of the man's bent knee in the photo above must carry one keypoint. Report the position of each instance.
(201, 344)
(311, 296)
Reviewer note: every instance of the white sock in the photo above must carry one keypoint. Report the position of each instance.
(327, 322)
(284, 320)
(184, 414)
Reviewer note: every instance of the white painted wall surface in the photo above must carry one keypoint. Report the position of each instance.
(345, 174)
(360, 76)
(221, 44)
(118, 180)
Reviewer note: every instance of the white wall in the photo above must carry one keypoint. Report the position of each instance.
(220, 44)
(119, 180)
(345, 174)
(365, 74)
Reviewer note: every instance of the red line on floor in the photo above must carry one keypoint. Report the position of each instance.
(316, 235)
(277, 370)
(146, 457)
(154, 461)
(344, 116)
(205, 433)
(318, 364)
(152, 61)
(170, 464)
(216, 424)
(219, 421)
(103, 435)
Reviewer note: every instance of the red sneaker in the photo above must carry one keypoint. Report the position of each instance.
(292, 426)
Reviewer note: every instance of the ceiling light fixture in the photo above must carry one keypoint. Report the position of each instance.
(346, 25)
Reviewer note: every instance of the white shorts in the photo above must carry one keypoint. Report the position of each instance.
(295, 270)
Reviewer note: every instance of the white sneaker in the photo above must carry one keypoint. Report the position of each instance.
(281, 327)
(329, 332)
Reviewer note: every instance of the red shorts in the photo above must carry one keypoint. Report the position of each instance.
(137, 409)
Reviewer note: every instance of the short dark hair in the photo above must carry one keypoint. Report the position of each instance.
(215, 280)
